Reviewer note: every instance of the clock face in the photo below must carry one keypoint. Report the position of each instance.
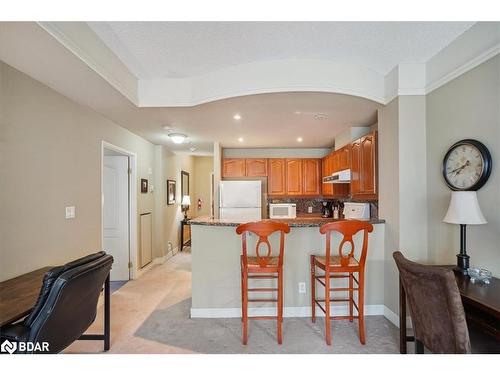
(466, 165)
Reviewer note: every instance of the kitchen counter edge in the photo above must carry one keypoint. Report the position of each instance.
(293, 223)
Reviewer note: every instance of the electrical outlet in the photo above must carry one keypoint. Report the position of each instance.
(302, 288)
(310, 209)
(70, 212)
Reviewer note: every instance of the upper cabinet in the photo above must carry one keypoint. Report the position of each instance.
(276, 181)
(344, 158)
(233, 168)
(327, 189)
(294, 181)
(256, 167)
(311, 172)
(364, 167)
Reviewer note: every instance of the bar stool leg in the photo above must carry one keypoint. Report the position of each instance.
(361, 305)
(280, 307)
(313, 291)
(351, 296)
(244, 307)
(327, 308)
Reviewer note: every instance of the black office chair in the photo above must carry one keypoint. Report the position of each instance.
(66, 305)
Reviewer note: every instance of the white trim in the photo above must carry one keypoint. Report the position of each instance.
(394, 318)
(99, 58)
(133, 246)
(469, 65)
(288, 312)
(139, 272)
(167, 256)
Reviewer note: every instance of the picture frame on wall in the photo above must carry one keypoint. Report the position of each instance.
(171, 186)
(144, 185)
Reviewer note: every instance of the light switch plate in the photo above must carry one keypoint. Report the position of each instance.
(70, 212)
(302, 287)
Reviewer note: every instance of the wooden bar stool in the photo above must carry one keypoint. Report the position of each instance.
(341, 266)
(262, 267)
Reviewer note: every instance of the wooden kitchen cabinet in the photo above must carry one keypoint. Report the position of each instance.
(233, 167)
(327, 189)
(364, 167)
(256, 167)
(344, 158)
(311, 172)
(294, 179)
(276, 180)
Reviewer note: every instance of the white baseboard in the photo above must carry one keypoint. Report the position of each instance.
(394, 318)
(288, 312)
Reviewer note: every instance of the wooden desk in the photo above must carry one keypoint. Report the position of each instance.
(481, 304)
(19, 295)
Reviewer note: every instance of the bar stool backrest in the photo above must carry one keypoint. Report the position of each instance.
(348, 228)
(263, 229)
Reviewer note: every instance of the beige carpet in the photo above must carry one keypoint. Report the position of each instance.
(151, 315)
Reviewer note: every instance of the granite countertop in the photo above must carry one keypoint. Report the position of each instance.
(299, 222)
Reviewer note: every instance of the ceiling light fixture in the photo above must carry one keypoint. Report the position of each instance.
(192, 149)
(299, 139)
(237, 117)
(167, 127)
(177, 137)
(240, 139)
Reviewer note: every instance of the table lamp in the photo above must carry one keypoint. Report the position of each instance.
(186, 202)
(464, 209)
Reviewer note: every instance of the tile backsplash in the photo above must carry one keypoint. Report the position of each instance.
(316, 204)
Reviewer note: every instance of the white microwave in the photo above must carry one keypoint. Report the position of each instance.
(282, 210)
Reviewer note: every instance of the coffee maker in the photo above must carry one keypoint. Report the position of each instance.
(326, 210)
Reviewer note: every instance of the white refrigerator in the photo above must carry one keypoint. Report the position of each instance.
(240, 200)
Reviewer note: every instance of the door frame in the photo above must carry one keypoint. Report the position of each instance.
(132, 204)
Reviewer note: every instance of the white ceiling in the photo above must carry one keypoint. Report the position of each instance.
(184, 49)
(268, 120)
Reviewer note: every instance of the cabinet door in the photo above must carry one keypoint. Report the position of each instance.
(276, 177)
(311, 176)
(233, 168)
(344, 158)
(326, 188)
(294, 176)
(368, 175)
(356, 167)
(335, 162)
(256, 167)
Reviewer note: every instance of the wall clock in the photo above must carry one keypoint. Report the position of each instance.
(467, 165)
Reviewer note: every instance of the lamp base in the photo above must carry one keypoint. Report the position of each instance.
(462, 264)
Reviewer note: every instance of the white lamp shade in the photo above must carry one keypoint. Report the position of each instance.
(186, 200)
(464, 209)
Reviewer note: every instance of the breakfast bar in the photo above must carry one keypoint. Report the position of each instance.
(216, 249)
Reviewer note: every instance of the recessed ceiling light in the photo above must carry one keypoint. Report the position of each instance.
(177, 137)
(167, 127)
(240, 139)
(319, 116)
(237, 117)
(297, 112)
(299, 139)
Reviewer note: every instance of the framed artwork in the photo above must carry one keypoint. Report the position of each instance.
(144, 185)
(170, 191)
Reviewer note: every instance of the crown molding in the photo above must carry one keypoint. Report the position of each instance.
(79, 39)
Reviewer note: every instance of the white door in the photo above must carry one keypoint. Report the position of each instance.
(115, 214)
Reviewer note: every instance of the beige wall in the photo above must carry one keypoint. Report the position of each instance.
(172, 165)
(388, 153)
(203, 168)
(467, 107)
(50, 158)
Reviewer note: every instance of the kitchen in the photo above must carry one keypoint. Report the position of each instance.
(304, 188)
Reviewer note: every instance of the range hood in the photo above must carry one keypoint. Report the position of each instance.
(341, 177)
